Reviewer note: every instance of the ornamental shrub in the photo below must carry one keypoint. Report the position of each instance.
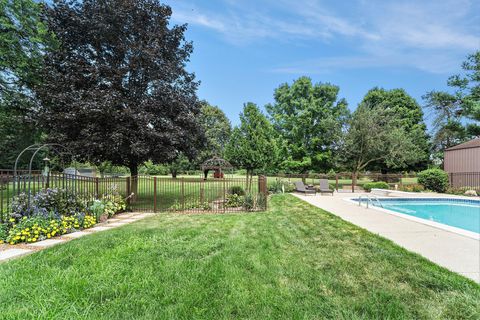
(238, 190)
(33, 229)
(280, 186)
(375, 185)
(254, 202)
(88, 222)
(97, 209)
(3, 232)
(434, 180)
(233, 201)
(261, 201)
(331, 175)
(249, 202)
(412, 188)
(149, 168)
(45, 203)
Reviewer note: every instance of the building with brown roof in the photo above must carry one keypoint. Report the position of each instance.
(462, 162)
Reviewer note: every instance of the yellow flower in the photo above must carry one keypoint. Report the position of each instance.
(12, 219)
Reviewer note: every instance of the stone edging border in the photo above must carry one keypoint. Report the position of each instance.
(9, 252)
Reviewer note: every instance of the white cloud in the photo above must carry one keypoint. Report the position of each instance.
(428, 25)
(432, 63)
(243, 24)
(427, 35)
(200, 19)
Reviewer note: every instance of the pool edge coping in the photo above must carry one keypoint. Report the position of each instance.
(438, 225)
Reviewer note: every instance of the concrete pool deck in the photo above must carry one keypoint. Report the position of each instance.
(453, 251)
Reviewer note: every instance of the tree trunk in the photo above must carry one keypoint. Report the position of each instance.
(133, 179)
(249, 182)
(174, 174)
(354, 180)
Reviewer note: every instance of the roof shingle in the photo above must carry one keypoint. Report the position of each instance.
(475, 143)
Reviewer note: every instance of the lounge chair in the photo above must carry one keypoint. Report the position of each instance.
(324, 187)
(300, 187)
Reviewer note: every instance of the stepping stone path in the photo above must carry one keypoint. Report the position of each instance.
(129, 220)
(116, 224)
(45, 243)
(8, 252)
(97, 229)
(13, 253)
(75, 235)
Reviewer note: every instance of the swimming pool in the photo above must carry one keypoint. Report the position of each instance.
(457, 213)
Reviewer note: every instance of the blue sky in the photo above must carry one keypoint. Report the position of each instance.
(244, 49)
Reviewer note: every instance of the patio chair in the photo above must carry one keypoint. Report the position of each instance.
(324, 187)
(300, 187)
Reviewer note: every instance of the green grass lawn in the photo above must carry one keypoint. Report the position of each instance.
(294, 261)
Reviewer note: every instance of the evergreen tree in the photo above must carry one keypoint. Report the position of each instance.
(456, 113)
(252, 145)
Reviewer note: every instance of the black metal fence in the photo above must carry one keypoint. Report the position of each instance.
(146, 193)
(349, 182)
(195, 194)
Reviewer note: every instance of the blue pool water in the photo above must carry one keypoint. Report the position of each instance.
(459, 213)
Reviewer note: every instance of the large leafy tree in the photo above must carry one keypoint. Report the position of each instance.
(373, 137)
(467, 86)
(23, 40)
(117, 88)
(448, 127)
(252, 145)
(217, 128)
(456, 113)
(309, 119)
(403, 112)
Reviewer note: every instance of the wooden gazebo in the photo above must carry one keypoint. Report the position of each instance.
(218, 165)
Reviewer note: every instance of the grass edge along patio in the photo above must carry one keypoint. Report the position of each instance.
(292, 259)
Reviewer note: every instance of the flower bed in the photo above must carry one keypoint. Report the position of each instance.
(55, 212)
(235, 200)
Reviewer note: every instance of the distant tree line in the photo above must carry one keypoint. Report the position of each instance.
(109, 80)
